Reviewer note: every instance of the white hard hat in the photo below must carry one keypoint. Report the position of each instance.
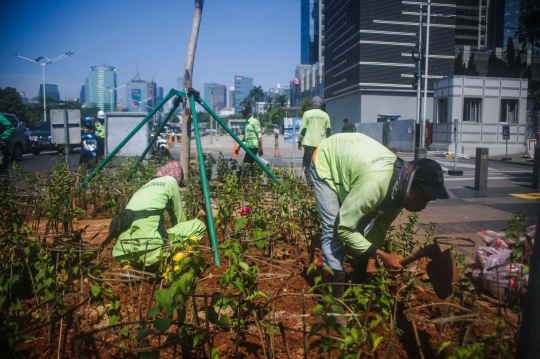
(101, 114)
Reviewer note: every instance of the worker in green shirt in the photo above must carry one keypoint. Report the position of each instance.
(6, 131)
(315, 127)
(99, 126)
(347, 127)
(361, 187)
(252, 135)
(142, 220)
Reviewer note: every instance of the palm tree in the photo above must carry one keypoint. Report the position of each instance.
(529, 31)
(269, 103)
(281, 101)
(256, 94)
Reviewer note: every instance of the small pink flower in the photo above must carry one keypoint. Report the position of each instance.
(245, 211)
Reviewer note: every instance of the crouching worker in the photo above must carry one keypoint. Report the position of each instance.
(361, 187)
(143, 219)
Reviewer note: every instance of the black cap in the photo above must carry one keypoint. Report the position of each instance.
(345, 120)
(246, 109)
(429, 176)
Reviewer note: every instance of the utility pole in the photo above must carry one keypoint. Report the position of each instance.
(426, 67)
(419, 70)
(188, 73)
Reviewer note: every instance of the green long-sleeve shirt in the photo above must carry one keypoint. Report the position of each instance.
(359, 169)
(6, 129)
(316, 122)
(159, 193)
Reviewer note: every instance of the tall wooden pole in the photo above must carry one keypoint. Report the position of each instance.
(188, 76)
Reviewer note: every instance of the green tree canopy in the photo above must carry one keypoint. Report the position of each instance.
(306, 106)
(11, 102)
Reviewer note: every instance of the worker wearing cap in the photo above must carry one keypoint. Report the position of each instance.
(252, 135)
(148, 204)
(347, 127)
(315, 127)
(361, 187)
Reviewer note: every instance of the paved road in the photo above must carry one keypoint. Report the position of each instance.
(46, 160)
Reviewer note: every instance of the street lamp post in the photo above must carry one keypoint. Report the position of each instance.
(46, 62)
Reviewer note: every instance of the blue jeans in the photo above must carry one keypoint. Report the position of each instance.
(333, 249)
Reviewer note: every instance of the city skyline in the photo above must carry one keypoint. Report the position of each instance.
(216, 60)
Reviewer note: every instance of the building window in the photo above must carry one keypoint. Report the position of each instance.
(509, 111)
(472, 109)
(442, 110)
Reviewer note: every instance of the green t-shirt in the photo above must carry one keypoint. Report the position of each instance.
(359, 169)
(315, 122)
(349, 127)
(252, 133)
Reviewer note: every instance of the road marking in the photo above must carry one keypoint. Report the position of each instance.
(531, 196)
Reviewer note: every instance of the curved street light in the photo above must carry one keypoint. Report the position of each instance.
(43, 63)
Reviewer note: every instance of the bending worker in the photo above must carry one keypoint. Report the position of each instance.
(143, 219)
(315, 127)
(361, 187)
(252, 136)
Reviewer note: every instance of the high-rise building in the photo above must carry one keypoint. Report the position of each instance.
(101, 87)
(242, 87)
(180, 84)
(82, 94)
(368, 69)
(470, 23)
(215, 95)
(311, 31)
(495, 24)
(140, 95)
(159, 95)
(231, 97)
(513, 9)
(50, 91)
(24, 98)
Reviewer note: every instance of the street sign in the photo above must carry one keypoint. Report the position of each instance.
(506, 132)
(59, 120)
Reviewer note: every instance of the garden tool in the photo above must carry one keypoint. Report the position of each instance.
(441, 270)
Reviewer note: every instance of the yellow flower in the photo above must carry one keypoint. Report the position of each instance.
(179, 256)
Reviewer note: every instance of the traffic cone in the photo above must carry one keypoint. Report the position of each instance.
(196, 153)
(234, 150)
(169, 139)
(276, 150)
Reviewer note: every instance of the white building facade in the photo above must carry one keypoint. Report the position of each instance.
(482, 105)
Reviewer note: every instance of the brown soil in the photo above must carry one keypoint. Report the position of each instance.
(285, 280)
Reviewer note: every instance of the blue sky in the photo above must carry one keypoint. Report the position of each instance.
(257, 38)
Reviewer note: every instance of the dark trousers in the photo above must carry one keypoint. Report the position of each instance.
(5, 163)
(248, 158)
(306, 161)
(101, 146)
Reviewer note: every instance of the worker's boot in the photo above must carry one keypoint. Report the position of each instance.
(337, 281)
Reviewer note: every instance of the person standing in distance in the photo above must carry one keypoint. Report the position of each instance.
(314, 129)
(252, 135)
(347, 127)
(99, 125)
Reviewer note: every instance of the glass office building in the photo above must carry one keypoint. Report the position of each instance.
(242, 87)
(50, 91)
(101, 85)
(311, 31)
(215, 95)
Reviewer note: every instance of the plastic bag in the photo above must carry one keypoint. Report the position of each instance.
(490, 236)
(498, 288)
(482, 254)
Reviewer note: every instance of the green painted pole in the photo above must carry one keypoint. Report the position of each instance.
(204, 180)
(237, 139)
(124, 141)
(152, 141)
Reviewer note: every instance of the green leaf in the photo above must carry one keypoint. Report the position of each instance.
(113, 319)
(244, 266)
(185, 281)
(154, 354)
(125, 332)
(354, 333)
(443, 346)
(155, 310)
(96, 289)
(215, 353)
(224, 322)
(240, 224)
(162, 324)
(377, 341)
(197, 338)
(337, 309)
(318, 309)
(164, 298)
(145, 332)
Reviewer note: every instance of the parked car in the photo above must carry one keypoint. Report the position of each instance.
(41, 140)
(18, 141)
